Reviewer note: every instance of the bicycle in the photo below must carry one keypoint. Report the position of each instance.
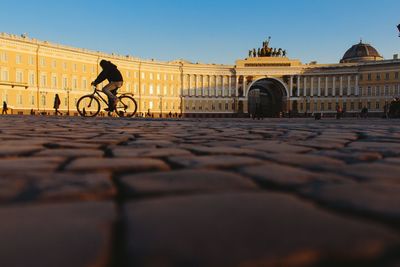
(89, 105)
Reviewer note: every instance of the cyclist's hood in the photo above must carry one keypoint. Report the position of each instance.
(107, 65)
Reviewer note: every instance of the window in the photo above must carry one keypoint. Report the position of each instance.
(19, 76)
(84, 83)
(136, 89)
(54, 64)
(396, 75)
(32, 100)
(19, 99)
(65, 82)
(386, 90)
(31, 61)
(329, 106)
(378, 76)
(158, 77)
(165, 77)
(43, 80)
(360, 105)
(369, 92)
(143, 75)
(143, 89)
(4, 75)
(151, 90)
(369, 105)
(387, 76)
(165, 90)
(172, 77)
(361, 77)
(75, 68)
(226, 106)
(65, 65)
(351, 105)
(18, 59)
(4, 57)
(65, 101)
(75, 83)
(31, 78)
(42, 62)
(54, 81)
(151, 105)
(369, 76)
(43, 98)
(158, 90)
(84, 68)
(377, 105)
(151, 76)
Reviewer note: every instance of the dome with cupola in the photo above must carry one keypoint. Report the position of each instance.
(361, 52)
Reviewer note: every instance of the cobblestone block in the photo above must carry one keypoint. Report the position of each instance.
(116, 164)
(247, 230)
(185, 181)
(56, 235)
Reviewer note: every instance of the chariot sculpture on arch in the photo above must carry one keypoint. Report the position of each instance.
(267, 51)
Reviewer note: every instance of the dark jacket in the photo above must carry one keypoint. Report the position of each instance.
(110, 72)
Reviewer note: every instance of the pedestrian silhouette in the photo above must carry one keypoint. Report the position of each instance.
(57, 103)
(5, 108)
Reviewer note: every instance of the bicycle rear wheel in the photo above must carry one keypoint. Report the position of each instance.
(88, 106)
(126, 106)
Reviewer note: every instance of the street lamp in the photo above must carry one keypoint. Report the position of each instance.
(68, 90)
(398, 28)
(161, 104)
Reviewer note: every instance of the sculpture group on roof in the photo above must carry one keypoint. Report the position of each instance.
(267, 51)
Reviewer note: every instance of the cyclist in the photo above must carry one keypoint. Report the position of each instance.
(114, 77)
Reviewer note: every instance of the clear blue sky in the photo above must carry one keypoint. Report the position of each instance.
(211, 31)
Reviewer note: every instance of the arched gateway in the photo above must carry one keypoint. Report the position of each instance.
(268, 97)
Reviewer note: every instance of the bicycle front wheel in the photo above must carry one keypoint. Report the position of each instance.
(88, 106)
(126, 106)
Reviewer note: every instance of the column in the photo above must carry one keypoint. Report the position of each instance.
(229, 86)
(291, 86)
(326, 86)
(341, 85)
(349, 85)
(356, 86)
(298, 85)
(237, 86)
(196, 84)
(190, 85)
(319, 86)
(223, 86)
(312, 86)
(203, 93)
(305, 86)
(244, 85)
(209, 85)
(334, 86)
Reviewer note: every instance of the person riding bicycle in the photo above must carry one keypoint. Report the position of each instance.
(114, 77)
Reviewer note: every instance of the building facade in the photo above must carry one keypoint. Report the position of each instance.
(32, 72)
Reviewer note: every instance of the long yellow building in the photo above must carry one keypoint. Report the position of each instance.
(32, 72)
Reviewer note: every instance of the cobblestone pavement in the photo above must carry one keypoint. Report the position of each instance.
(223, 192)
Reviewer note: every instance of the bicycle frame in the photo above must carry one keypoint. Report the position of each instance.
(97, 94)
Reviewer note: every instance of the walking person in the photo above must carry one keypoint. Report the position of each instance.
(57, 103)
(5, 108)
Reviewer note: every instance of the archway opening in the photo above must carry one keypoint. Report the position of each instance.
(267, 98)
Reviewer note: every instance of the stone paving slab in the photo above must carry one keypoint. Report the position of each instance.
(77, 234)
(199, 192)
(247, 230)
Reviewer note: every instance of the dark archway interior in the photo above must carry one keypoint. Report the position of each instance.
(266, 98)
